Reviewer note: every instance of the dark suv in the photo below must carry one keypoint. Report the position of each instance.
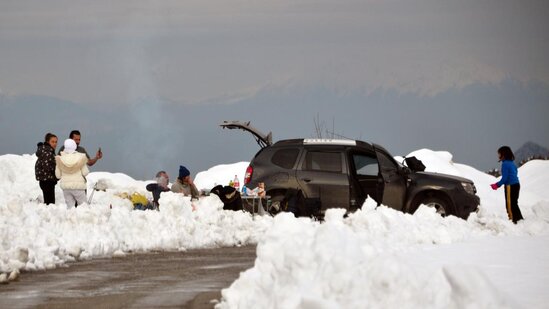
(308, 176)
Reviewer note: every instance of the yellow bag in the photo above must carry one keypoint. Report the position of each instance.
(138, 198)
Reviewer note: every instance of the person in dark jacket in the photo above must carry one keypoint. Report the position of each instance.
(161, 185)
(509, 179)
(44, 169)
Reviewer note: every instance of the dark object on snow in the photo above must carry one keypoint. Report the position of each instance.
(229, 196)
(415, 164)
(140, 206)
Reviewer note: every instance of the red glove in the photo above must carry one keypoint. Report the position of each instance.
(494, 186)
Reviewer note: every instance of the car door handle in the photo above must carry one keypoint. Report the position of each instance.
(306, 179)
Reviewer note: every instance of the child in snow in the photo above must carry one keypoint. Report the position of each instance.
(509, 178)
(71, 169)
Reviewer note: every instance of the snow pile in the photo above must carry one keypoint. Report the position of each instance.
(533, 177)
(37, 237)
(381, 258)
(376, 257)
(367, 260)
(17, 178)
(53, 235)
(220, 175)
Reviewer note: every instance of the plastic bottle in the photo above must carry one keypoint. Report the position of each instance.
(236, 183)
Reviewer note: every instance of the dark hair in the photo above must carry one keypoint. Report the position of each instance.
(506, 153)
(49, 136)
(160, 174)
(73, 133)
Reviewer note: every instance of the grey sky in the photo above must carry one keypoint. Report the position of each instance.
(112, 55)
(192, 51)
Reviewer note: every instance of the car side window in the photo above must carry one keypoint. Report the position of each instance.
(285, 158)
(365, 165)
(322, 161)
(387, 165)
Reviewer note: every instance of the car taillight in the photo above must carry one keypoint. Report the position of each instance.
(248, 175)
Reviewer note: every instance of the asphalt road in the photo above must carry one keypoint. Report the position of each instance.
(191, 279)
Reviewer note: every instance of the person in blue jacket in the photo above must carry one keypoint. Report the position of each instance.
(509, 179)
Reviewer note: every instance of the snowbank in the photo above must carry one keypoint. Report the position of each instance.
(381, 258)
(376, 257)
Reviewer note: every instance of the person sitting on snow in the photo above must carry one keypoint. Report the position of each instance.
(184, 184)
(161, 185)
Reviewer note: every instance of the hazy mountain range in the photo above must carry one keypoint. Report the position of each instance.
(530, 150)
(153, 134)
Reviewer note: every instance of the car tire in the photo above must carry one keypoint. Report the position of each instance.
(277, 205)
(441, 206)
(287, 202)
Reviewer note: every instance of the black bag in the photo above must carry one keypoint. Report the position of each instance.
(229, 196)
(415, 164)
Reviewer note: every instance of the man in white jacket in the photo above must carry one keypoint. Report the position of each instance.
(71, 169)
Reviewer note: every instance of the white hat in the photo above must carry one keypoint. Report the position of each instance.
(70, 145)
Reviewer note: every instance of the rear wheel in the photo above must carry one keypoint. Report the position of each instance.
(289, 201)
(278, 204)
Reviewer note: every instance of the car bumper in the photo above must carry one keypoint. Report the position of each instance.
(466, 204)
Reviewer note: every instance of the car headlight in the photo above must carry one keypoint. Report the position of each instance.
(469, 188)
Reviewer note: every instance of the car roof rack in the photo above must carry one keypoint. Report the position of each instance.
(329, 141)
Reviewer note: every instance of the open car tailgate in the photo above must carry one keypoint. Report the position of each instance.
(263, 140)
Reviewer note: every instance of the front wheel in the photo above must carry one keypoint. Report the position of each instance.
(441, 206)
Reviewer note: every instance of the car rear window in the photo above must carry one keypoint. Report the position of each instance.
(322, 161)
(285, 158)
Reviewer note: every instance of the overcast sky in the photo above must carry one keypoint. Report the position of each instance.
(113, 54)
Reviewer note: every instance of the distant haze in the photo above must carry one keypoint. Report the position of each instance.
(142, 138)
(150, 81)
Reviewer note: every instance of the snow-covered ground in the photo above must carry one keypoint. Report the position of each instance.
(377, 257)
